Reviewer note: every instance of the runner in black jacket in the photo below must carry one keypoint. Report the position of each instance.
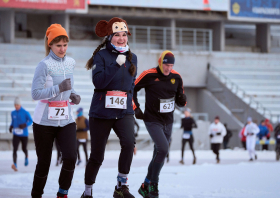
(188, 123)
(113, 75)
(164, 88)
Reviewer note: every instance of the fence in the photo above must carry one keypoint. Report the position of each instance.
(186, 39)
(155, 37)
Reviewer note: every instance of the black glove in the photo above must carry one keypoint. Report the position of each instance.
(11, 129)
(211, 135)
(22, 126)
(65, 85)
(218, 133)
(76, 99)
(139, 114)
(182, 99)
(79, 130)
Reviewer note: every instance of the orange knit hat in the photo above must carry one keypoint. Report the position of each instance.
(54, 31)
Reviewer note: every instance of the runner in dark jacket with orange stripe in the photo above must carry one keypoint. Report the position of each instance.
(164, 88)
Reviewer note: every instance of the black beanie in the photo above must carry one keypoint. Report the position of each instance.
(168, 59)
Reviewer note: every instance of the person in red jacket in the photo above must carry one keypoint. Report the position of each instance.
(243, 137)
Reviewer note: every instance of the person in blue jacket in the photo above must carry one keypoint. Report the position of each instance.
(21, 119)
(113, 75)
(264, 132)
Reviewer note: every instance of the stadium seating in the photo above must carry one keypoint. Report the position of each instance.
(253, 76)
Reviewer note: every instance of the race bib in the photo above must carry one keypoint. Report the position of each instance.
(186, 136)
(116, 100)
(18, 131)
(167, 105)
(58, 110)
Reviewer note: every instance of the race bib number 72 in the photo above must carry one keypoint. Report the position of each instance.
(58, 110)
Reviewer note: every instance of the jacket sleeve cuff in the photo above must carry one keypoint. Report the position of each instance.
(56, 90)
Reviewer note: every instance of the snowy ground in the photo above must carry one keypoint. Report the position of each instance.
(234, 177)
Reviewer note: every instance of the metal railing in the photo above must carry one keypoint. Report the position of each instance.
(155, 37)
(236, 89)
(186, 39)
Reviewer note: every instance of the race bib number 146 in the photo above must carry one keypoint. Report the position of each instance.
(116, 99)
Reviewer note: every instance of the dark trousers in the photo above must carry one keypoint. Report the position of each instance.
(215, 148)
(190, 141)
(225, 143)
(44, 137)
(265, 147)
(84, 144)
(243, 144)
(58, 157)
(16, 141)
(160, 134)
(99, 133)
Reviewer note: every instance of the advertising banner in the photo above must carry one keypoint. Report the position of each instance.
(255, 10)
(45, 4)
(215, 5)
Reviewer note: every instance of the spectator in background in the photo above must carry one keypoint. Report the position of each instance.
(59, 156)
(216, 132)
(82, 133)
(136, 130)
(263, 134)
(243, 137)
(277, 138)
(227, 137)
(251, 131)
(269, 126)
(188, 124)
(21, 119)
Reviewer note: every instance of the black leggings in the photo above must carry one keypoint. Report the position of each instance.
(44, 137)
(16, 141)
(58, 150)
(99, 133)
(85, 149)
(215, 148)
(190, 141)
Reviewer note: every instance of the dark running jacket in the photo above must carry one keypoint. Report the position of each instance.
(188, 123)
(158, 86)
(108, 75)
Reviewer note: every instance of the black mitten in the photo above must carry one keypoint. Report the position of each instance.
(139, 114)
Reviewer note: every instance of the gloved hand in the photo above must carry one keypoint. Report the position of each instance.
(139, 114)
(76, 99)
(182, 99)
(218, 133)
(65, 85)
(121, 59)
(211, 135)
(22, 126)
(11, 129)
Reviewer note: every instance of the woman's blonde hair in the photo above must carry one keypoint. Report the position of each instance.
(55, 40)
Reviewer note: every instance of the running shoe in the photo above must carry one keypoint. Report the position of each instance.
(144, 191)
(122, 192)
(153, 190)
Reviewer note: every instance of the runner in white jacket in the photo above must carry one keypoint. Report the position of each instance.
(251, 131)
(217, 131)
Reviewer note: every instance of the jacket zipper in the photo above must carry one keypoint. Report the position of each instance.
(62, 92)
